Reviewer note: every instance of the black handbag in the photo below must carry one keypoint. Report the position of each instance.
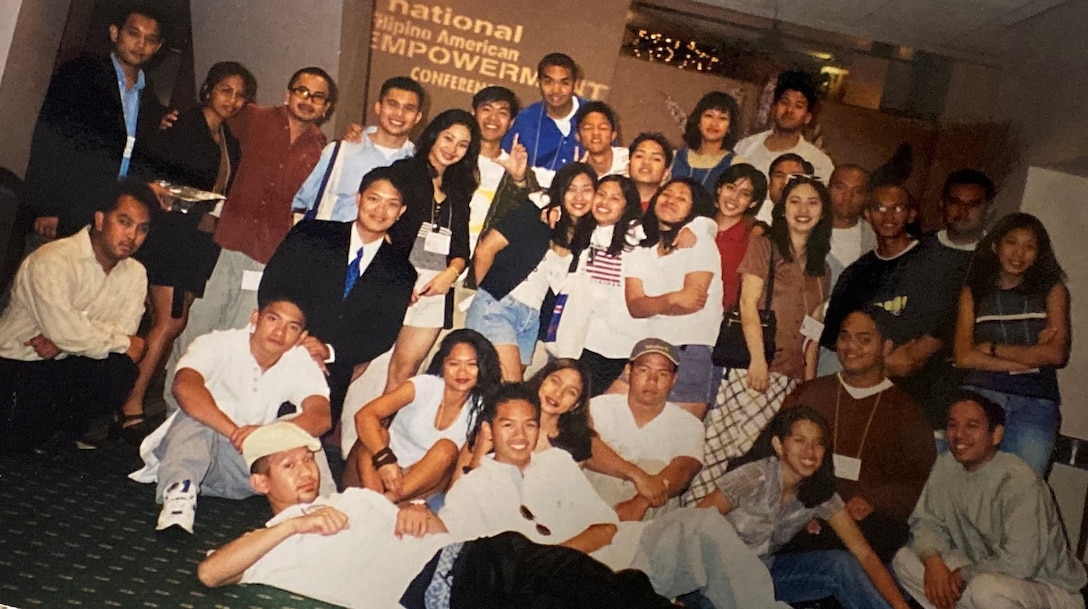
(731, 350)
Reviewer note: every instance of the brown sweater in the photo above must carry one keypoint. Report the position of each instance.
(898, 451)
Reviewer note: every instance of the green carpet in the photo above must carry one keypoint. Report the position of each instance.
(75, 532)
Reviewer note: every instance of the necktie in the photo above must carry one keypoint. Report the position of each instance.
(353, 273)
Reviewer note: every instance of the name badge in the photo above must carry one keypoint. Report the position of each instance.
(811, 329)
(130, 143)
(437, 241)
(251, 280)
(847, 468)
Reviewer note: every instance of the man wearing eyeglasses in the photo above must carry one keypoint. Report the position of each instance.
(281, 145)
(890, 211)
(97, 109)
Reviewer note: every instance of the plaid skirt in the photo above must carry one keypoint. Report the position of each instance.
(732, 425)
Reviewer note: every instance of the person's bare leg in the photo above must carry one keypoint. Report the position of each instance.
(510, 362)
(429, 473)
(164, 330)
(359, 470)
(412, 346)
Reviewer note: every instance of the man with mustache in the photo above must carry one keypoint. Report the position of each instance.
(68, 343)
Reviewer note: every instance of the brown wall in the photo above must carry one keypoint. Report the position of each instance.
(414, 39)
(642, 93)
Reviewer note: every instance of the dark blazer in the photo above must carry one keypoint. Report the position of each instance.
(78, 141)
(311, 265)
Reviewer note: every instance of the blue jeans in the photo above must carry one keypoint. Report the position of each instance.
(810, 576)
(1031, 426)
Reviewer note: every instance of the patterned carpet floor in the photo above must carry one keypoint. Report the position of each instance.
(75, 532)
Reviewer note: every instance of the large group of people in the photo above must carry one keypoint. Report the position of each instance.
(761, 384)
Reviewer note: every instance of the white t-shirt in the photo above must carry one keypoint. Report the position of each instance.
(663, 274)
(490, 176)
(673, 433)
(613, 332)
(846, 244)
(413, 433)
(239, 388)
(753, 148)
(244, 393)
(488, 501)
(550, 273)
(620, 159)
(364, 565)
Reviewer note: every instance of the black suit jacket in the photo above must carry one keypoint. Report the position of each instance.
(311, 266)
(78, 141)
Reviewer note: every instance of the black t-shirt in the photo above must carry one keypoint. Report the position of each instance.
(858, 286)
(528, 240)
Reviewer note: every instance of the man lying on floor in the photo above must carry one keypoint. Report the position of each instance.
(356, 549)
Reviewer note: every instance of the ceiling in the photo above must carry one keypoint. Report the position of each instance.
(967, 29)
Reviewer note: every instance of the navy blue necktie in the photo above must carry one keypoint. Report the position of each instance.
(353, 273)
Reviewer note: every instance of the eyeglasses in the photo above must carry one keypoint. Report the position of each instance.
(304, 93)
(528, 515)
(897, 208)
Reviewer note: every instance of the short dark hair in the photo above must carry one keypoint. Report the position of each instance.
(738, 171)
(295, 299)
(880, 317)
(969, 177)
(509, 392)
(130, 187)
(796, 81)
(147, 9)
(995, 414)
(714, 100)
(790, 157)
(403, 83)
(334, 92)
(225, 69)
(600, 108)
(384, 173)
(653, 136)
(495, 93)
(851, 167)
(561, 60)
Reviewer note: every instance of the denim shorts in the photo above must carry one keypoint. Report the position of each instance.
(505, 322)
(698, 378)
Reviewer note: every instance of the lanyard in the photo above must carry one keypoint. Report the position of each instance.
(865, 434)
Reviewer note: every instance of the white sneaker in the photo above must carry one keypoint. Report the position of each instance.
(178, 506)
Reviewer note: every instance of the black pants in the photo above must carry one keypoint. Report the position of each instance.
(508, 570)
(41, 398)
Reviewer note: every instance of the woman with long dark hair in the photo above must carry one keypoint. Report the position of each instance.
(443, 176)
(199, 151)
(1012, 333)
(603, 240)
(709, 136)
(434, 411)
(515, 263)
(791, 257)
(678, 290)
(784, 482)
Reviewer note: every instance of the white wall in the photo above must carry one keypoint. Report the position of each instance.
(273, 39)
(1052, 195)
(9, 15)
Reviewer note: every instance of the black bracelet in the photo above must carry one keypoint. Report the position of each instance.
(993, 350)
(383, 457)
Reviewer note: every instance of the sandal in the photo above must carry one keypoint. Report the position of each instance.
(132, 428)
